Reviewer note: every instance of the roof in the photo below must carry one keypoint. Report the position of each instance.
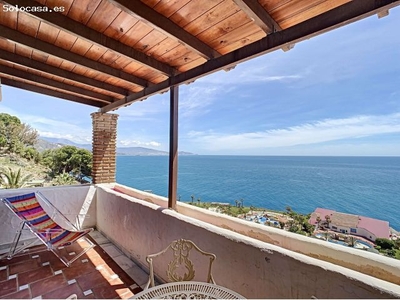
(111, 53)
(379, 228)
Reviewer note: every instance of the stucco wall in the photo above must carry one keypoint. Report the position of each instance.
(251, 267)
(70, 200)
(368, 263)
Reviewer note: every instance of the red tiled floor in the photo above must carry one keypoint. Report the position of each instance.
(8, 286)
(99, 273)
(3, 275)
(52, 283)
(24, 294)
(34, 275)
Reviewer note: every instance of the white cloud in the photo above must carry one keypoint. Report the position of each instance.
(47, 127)
(304, 134)
(136, 143)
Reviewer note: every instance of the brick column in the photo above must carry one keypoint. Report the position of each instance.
(104, 146)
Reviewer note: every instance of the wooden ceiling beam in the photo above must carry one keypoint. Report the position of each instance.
(335, 18)
(39, 66)
(255, 11)
(92, 36)
(49, 92)
(54, 83)
(31, 42)
(139, 10)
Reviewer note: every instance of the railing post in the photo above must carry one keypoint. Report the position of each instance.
(173, 148)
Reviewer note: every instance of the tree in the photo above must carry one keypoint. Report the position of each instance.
(192, 196)
(318, 219)
(328, 220)
(14, 135)
(198, 201)
(241, 201)
(64, 179)
(67, 159)
(236, 203)
(385, 244)
(11, 179)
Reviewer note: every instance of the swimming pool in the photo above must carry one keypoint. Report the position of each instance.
(361, 244)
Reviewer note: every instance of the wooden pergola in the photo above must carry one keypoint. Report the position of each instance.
(112, 53)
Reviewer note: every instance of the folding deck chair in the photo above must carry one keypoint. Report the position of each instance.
(33, 216)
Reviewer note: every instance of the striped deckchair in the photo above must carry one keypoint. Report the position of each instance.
(37, 220)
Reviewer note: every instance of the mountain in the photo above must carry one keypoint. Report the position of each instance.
(63, 142)
(53, 143)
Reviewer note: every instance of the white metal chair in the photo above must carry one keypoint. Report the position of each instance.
(48, 224)
(175, 263)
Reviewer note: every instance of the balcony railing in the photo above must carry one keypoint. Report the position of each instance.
(254, 260)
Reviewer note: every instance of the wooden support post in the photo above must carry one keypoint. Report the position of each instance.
(173, 147)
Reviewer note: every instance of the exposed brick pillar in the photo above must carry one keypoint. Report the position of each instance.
(104, 146)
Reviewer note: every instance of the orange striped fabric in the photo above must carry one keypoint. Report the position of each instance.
(29, 209)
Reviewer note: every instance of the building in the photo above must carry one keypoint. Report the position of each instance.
(352, 224)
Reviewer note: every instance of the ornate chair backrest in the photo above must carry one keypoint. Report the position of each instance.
(176, 263)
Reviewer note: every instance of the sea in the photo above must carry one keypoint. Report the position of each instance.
(367, 186)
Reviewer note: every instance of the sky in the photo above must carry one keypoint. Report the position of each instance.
(337, 94)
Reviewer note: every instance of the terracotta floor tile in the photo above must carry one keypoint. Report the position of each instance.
(3, 275)
(14, 260)
(8, 287)
(24, 266)
(89, 282)
(34, 275)
(24, 294)
(50, 257)
(107, 291)
(79, 269)
(47, 285)
(64, 292)
(127, 294)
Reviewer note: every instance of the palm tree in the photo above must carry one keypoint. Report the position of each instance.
(192, 198)
(198, 201)
(318, 219)
(328, 220)
(241, 201)
(236, 202)
(11, 179)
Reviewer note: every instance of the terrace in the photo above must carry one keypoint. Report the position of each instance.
(109, 54)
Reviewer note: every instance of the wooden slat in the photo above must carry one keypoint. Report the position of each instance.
(82, 47)
(27, 62)
(66, 4)
(53, 83)
(229, 24)
(192, 11)
(65, 40)
(27, 24)
(120, 26)
(260, 16)
(45, 91)
(335, 18)
(77, 29)
(47, 33)
(83, 10)
(312, 12)
(211, 18)
(66, 55)
(137, 9)
(8, 18)
(239, 34)
(168, 8)
(7, 45)
(104, 14)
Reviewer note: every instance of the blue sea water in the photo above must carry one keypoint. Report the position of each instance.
(368, 186)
